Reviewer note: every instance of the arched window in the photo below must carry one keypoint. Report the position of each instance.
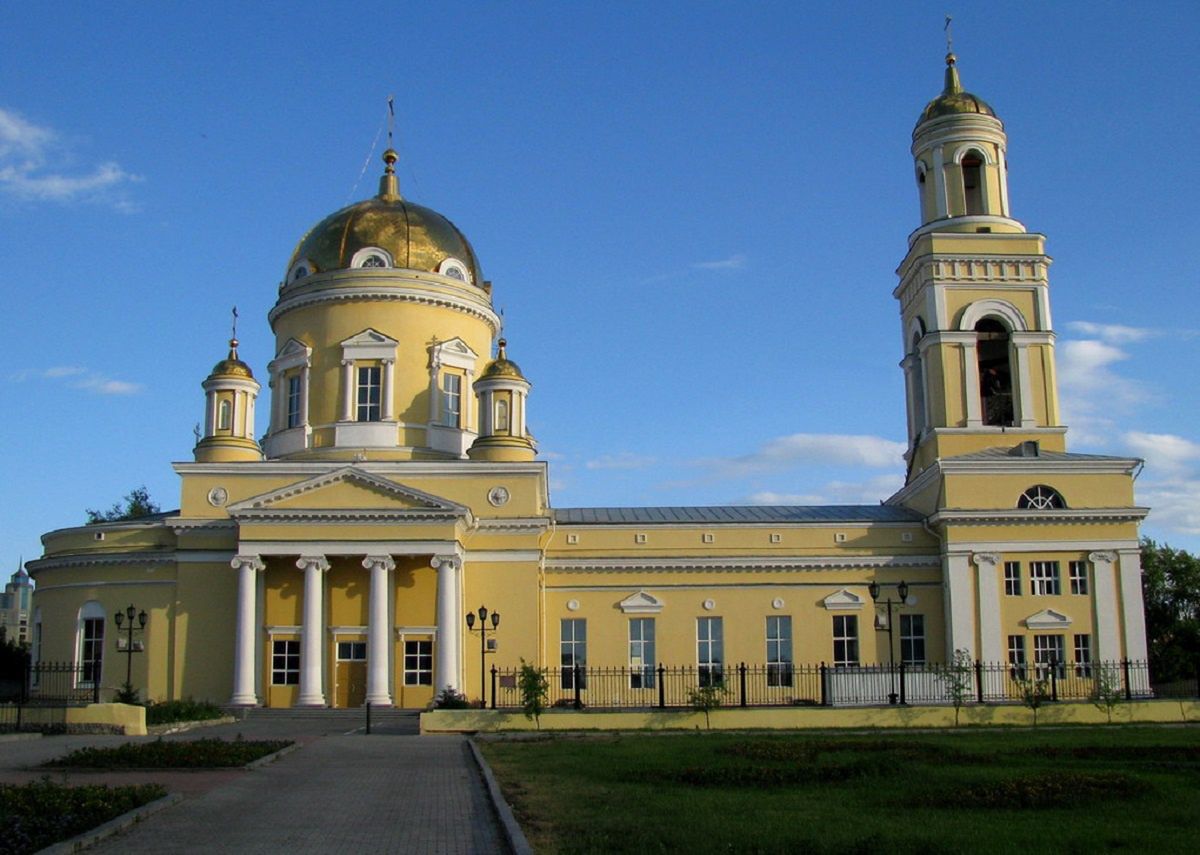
(995, 373)
(374, 261)
(1041, 498)
(501, 416)
(89, 650)
(972, 176)
(224, 416)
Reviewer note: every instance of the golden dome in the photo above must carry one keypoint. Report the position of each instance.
(954, 99)
(502, 366)
(231, 366)
(416, 237)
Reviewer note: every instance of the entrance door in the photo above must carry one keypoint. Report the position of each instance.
(351, 674)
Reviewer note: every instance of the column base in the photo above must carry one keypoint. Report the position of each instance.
(314, 701)
(244, 701)
(379, 700)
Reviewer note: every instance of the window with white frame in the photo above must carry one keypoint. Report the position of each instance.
(91, 644)
(845, 640)
(641, 653)
(1043, 578)
(368, 389)
(418, 662)
(1078, 571)
(1016, 656)
(912, 639)
(451, 403)
(1041, 498)
(293, 400)
(500, 422)
(224, 415)
(1083, 655)
(710, 651)
(573, 651)
(1012, 578)
(285, 663)
(1047, 653)
(779, 650)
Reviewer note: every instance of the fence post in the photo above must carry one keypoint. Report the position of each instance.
(978, 681)
(493, 687)
(824, 687)
(1053, 679)
(902, 700)
(96, 688)
(662, 689)
(368, 718)
(575, 675)
(742, 683)
(1125, 676)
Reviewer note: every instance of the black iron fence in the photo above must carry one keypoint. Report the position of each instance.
(782, 685)
(44, 692)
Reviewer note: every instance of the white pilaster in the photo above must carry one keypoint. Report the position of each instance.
(959, 606)
(448, 618)
(248, 567)
(987, 590)
(970, 369)
(389, 366)
(303, 395)
(1002, 172)
(347, 390)
(1133, 611)
(939, 182)
(312, 686)
(1104, 597)
(378, 643)
(1024, 389)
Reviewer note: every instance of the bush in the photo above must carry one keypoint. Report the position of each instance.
(534, 687)
(450, 699)
(183, 710)
(181, 754)
(40, 813)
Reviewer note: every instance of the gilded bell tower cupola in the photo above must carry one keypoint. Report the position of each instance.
(230, 392)
(974, 294)
(502, 391)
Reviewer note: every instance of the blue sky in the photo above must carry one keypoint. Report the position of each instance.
(691, 212)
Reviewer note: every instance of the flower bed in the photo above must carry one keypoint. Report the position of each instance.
(40, 813)
(175, 754)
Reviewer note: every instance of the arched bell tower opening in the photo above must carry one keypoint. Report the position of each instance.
(993, 351)
(973, 185)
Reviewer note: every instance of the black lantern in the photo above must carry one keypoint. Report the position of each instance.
(482, 614)
(889, 604)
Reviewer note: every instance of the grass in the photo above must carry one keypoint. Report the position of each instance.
(39, 813)
(177, 754)
(1077, 790)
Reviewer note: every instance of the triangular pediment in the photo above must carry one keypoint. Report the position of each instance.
(641, 603)
(368, 337)
(347, 493)
(1047, 619)
(458, 347)
(843, 600)
(293, 347)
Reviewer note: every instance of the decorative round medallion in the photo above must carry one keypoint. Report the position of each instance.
(218, 496)
(777, 603)
(709, 605)
(573, 605)
(498, 496)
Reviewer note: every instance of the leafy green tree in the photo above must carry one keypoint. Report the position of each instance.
(1171, 591)
(958, 677)
(137, 504)
(1109, 691)
(705, 699)
(534, 687)
(1035, 691)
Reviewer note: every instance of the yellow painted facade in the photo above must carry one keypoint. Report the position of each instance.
(396, 489)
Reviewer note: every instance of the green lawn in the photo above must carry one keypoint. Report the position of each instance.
(1075, 790)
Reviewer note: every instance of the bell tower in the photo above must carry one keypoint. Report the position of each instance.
(974, 295)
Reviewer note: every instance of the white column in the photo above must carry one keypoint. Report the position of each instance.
(347, 390)
(468, 401)
(448, 618)
(304, 395)
(959, 605)
(210, 414)
(378, 634)
(1025, 414)
(312, 687)
(250, 401)
(1133, 611)
(1104, 597)
(987, 589)
(248, 567)
(1002, 171)
(389, 366)
(939, 182)
(970, 369)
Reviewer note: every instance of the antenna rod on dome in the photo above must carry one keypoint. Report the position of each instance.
(233, 335)
(391, 118)
(949, 35)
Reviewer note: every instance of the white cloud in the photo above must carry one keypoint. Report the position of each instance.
(813, 448)
(1164, 452)
(107, 386)
(1111, 333)
(733, 262)
(25, 152)
(80, 378)
(623, 460)
(1091, 391)
(869, 492)
(1174, 504)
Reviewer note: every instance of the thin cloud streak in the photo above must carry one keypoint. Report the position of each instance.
(80, 378)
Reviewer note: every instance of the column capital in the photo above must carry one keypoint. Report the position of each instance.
(981, 558)
(304, 562)
(1102, 557)
(454, 562)
(385, 561)
(254, 562)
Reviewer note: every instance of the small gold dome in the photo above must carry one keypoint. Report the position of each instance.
(954, 99)
(231, 366)
(502, 366)
(417, 237)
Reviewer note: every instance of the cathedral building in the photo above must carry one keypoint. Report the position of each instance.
(396, 488)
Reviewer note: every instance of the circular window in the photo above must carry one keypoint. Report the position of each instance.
(374, 261)
(1041, 498)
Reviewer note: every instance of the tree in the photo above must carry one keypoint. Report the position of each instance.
(1034, 694)
(1171, 591)
(705, 699)
(534, 687)
(138, 504)
(958, 677)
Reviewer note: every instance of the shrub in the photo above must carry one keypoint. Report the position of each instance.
(186, 709)
(40, 813)
(127, 694)
(450, 699)
(534, 687)
(705, 699)
(180, 754)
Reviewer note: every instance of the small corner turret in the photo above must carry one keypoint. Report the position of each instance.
(502, 391)
(230, 392)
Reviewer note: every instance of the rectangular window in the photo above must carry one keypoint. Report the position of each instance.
(1016, 656)
(1083, 656)
(573, 646)
(368, 394)
(1079, 577)
(710, 651)
(1043, 578)
(352, 651)
(91, 651)
(912, 639)
(418, 662)
(285, 663)
(779, 651)
(641, 653)
(293, 401)
(1047, 652)
(845, 640)
(451, 399)
(1012, 578)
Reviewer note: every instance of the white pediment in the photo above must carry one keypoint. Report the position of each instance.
(1047, 619)
(293, 354)
(454, 352)
(641, 603)
(367, 338)
(293, 347)
(842, 601)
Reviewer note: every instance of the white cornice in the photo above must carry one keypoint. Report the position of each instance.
(1019, 516)
(512, 525)
(407, 293)
(740, 564)
(98, 559)
(409, 468)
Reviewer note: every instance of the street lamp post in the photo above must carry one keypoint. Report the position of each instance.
(483, 628)
(889, 604)
(121, 617)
